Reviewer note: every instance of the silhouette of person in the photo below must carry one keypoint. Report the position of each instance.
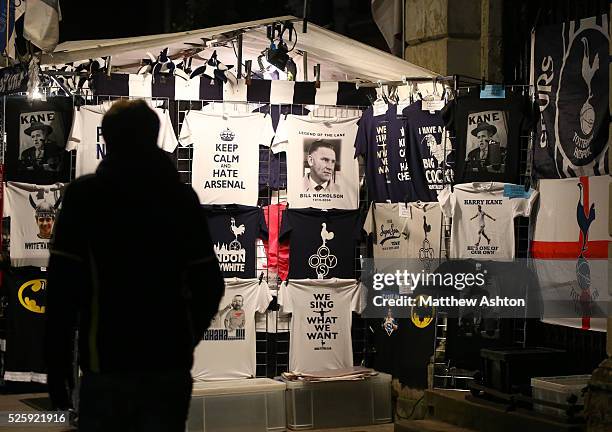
(140, 289)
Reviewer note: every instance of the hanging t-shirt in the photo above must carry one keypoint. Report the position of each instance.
(36, 134)
(483, 219)
(277, 252)
(382, 143)
(424, 225)
(387, 226)
(86, 135)
(429, 154)
(321, 170)
(225, 151)
(403, 348)
(321, 318)
(273, 166)
(227, 350)
(321, 242)
(24, 357)
(32, 209)
(487, 135)
(570, 246)
(234, 230)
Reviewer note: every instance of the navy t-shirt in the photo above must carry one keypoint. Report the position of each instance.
(234, 230)
(381, 141)
(321, 242)
(430, 157)
(273, 166)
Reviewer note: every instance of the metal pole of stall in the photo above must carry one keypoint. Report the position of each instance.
(239, 70)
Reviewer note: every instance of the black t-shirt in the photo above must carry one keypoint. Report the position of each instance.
(234, 230)
(24, 361)
(382, 143)
(429, 155)
(404, 349)
(36, 133)
(273, 166)
(321, 242)
(487, 135)
(470, 329)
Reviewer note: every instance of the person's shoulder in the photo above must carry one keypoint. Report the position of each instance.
(28, 151)
(82, 184)
(51, 146)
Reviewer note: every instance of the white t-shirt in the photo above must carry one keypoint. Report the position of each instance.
(227, 350)
(86, 135)
(321, 170)
(32, 210)
(321, 321)
(225, 166)
(424, 224)
(389, 232)
(483, 219)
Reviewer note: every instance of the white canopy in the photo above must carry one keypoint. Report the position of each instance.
(341, 58)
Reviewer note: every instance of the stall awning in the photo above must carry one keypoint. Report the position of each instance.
(341, 58)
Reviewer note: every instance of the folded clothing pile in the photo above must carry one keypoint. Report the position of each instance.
(355, 373)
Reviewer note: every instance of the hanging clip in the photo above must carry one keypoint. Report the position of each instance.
(261, 277)
(482, 83)
(317, 73)
(247, 67)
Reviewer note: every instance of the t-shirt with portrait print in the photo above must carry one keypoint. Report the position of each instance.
(33, 210)
(228, 349)
(36, 135)
(321, 170)
(487, 135)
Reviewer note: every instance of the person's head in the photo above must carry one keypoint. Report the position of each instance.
(44, 215)
(237, 302)
(484, 134)
(38, 132)
(321, 160)
(130, 125)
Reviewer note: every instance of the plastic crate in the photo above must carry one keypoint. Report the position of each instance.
(509, 369)
(558, 389)
(256, 405)
(339, 403)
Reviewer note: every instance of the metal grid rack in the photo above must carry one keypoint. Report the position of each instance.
(444, 375)
(272, 345)
(273, 348)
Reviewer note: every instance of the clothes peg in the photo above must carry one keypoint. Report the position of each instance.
(247, 66)
(317, 73)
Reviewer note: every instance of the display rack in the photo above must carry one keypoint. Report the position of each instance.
(445, 375)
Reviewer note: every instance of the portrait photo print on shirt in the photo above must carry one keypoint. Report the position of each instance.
(488, 134)
(322, 166)
(486, 141)
(36, 140)
(321, 170)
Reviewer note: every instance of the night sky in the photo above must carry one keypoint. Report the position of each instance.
(104, 19)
